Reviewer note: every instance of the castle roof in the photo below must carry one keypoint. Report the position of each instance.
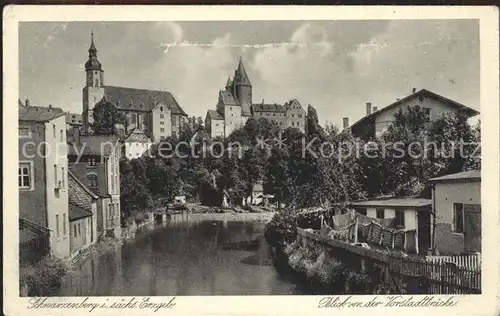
(227, 98)
(39, 113)
(289, 103)
(240, 75)
(144, 100)
(214, 115)
(261, 107)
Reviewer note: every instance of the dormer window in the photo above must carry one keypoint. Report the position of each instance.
(161, 108)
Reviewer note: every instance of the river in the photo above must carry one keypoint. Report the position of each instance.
(185, 256)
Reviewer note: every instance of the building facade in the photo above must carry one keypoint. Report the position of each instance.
(376, 121)
(135, 144)
(95, 161)
(82, 215)
(43, 167)
(235, 106)
(412, 215)
(155, 112)
(457, 205)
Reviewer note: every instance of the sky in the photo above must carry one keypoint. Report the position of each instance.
(335, 66)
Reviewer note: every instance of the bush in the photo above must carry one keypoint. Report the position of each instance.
(280, 230)
(43, 278)
(357, 283)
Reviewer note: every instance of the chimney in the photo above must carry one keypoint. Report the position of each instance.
(368, 108)
(346, 122)
(76, 135)
(374, 109)
(27, 102)
(414, 90)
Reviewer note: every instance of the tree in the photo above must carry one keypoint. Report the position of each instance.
(106, 117)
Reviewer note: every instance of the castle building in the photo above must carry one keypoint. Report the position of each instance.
(235, 107)
(154, 112)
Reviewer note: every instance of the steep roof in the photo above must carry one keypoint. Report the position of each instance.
(268, 108)
(240, 75)
(76, 212)
(465, 175)
(214, 115)
(425, 93)
(94, 145)
(39, 113)
(137, 136)
(79, 194)
(227, 98)
(141, 99)
(394, 202)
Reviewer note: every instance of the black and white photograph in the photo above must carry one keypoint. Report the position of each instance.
(333, 158)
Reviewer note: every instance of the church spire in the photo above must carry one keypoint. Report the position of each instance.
(92, 63)
(240, 75)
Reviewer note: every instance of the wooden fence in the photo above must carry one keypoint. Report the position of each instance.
(405, 275)
(466, 261)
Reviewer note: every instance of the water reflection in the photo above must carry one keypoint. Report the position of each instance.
(183, 257)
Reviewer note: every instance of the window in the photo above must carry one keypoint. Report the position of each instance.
(96, 83)
(91, 162)
(61, 136)
(293, 115)
(361, 211)
(79, 229)
(162, 130)
(293, 123)
(64, 224)
(133, 118)
(92, 180)
(173, 121)
(427, 114)
(300, 115)
(74, 231)
(274, 114)
(24, 132)
(161, 109)
(380, 213)
(55, 175)
(25, 175)
(458, 217)
(63, 180)
(57, 226)
(54, 130)
(400, 218)
(162, 123)
(162, 116)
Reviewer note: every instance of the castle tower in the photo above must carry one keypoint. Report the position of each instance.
(242, 89)
(93, 92)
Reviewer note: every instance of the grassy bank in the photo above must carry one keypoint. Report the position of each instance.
(311, 264)
(42, 278)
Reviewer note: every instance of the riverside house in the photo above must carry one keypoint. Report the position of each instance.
(82, 215)
(43, 187)
(95, 161)
(409, 214)
(456, 200)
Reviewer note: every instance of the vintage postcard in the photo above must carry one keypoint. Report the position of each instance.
(251, 160)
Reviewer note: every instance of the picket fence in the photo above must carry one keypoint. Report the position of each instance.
(413, 275)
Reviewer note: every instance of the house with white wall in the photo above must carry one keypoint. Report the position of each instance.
(43, 170)
(377, 120)
(411, 214)
(456, 200)
(82, 215)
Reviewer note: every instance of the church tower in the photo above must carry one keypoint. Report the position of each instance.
(243, 89)
(93, 92)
